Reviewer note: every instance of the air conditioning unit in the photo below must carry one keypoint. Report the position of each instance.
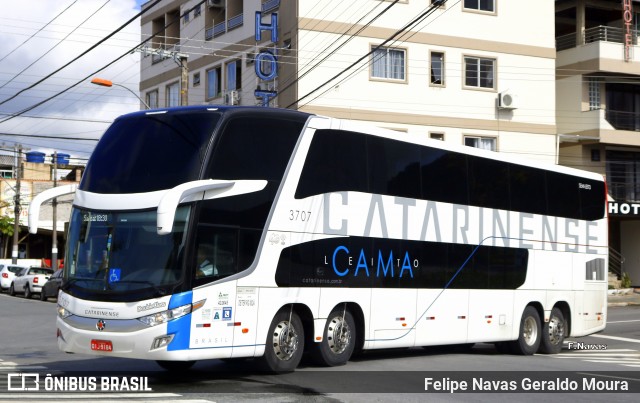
(507, 100)
(216, 3)
(232, 98)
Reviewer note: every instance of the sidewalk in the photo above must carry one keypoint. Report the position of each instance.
(631, 297)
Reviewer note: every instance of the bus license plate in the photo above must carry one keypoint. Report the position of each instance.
(101, 345)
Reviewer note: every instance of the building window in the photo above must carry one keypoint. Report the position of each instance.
(479, 72)
(214, 82)
(594, 93)
(388, 63)
(623, 175)
(185, 18)
(173, 94)
(436, 136)
(197, 11)
(480, 5)
(234, 75)
(437, 68)
(484, 143)
(152, 99)
(196, 79)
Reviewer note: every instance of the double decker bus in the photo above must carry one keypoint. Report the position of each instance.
(221, 232)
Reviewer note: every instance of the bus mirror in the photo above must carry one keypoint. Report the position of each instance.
(34, 206)
(200, 190)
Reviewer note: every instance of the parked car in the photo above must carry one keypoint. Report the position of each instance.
(7, 273)
(30, 281)
(51, 287)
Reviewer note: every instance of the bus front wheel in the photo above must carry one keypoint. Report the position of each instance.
(530, 333)
(285, 342)
(338, 340)
(553, 333)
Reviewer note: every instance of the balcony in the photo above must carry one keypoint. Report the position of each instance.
(622, 120)
(270, 5)
(217, 30)
(601, 33)
(236, 21)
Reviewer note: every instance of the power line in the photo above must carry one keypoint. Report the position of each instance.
(341, 45)
(73, 60)
(54, 46)
(433, 7)
(108, 64)
(38, 31)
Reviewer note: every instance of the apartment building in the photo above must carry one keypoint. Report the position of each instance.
(598, 109)
(552, 82)
(460, 73)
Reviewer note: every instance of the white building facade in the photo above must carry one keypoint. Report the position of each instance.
(442, 77)
(555, 82)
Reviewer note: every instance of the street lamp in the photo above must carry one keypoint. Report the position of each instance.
(108, 83)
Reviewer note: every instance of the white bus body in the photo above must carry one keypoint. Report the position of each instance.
(336, 267)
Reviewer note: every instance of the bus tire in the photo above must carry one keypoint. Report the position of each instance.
(285, 343)
(338, 341)
(553, 333)
(175, 366)
(530, 333)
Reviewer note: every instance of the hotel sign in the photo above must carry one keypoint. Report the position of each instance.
(624, 209)
(627, 19)
(266, 62)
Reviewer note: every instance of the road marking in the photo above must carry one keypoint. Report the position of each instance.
(603, 336)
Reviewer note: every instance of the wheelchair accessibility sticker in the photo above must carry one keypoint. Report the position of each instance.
(114, 275)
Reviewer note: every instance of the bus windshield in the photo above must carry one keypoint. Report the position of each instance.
(116, 254)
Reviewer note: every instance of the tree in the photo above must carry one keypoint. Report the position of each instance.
(6, 230)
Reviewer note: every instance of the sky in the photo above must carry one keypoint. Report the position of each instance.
(31, 50)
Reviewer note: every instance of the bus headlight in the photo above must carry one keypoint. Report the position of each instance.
(171, 314)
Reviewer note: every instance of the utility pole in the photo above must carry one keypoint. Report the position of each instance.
(181, 60)
(184, 81)
(54, 204)
(16, 205)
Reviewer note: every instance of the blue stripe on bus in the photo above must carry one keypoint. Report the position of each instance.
(181, 327)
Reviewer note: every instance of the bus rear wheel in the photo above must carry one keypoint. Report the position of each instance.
(553, 333)
(339, 339)
(285, 343)
(530, 333)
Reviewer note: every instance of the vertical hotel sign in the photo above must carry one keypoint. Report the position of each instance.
(627, 20)
(266, 63)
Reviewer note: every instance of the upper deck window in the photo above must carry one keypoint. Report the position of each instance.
(149, 152)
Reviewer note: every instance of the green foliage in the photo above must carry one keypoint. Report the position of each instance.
(6, 225)
(626, 281)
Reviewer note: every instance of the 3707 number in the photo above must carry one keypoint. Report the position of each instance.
(299, 215)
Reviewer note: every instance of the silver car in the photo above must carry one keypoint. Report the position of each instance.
(7, 273)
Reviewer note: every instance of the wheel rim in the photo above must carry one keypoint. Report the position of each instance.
(338, 335)
(285, 341)
(530, 331)
(556, 330)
